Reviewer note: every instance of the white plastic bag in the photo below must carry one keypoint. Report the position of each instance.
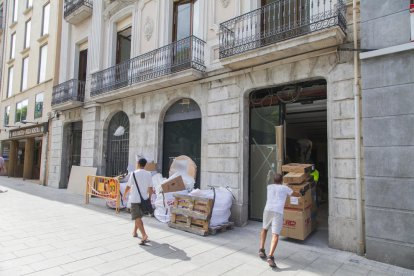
(163, 204)
(222, 204)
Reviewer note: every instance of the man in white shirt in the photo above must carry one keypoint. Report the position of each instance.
(273, 216)
(143, 180)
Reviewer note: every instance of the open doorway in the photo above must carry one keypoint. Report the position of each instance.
(301, 108)
(72, 150)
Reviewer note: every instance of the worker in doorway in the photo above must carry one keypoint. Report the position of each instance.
(273, 216)
(142, 180)
(315, 176)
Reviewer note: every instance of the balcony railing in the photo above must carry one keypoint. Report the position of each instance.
(278, 21)
(72, 90)
(184, 54)
(73, 5)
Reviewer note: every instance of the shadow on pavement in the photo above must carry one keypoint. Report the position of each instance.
(165, 251)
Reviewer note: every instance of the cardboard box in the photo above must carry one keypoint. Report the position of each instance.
(151, 167)
(300, 188)
(297, 168)
(173, 185)
(295, 178)
(297, 224)
(299, 202)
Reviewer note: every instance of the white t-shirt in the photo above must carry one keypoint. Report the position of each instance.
(276, 197)
(144, 180)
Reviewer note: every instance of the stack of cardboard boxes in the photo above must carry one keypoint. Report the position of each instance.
(298, 211)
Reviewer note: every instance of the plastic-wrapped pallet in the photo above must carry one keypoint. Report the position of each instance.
(222, 204)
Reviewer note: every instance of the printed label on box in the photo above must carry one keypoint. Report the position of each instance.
(294, 200)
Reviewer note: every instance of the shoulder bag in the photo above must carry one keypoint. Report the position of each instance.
(145, 205)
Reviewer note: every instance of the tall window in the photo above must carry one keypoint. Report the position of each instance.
(6, 115)
(27, 31)
(15, 8)
(10, 82)
(21, 111)
(38, 106)
(12, 45)
(45, 19)
(29, 4)
(42, 64)
(186, 19)
(25, 72)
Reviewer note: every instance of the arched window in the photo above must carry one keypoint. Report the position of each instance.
(118, 145)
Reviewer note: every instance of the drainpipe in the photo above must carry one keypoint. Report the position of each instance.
(357, 115)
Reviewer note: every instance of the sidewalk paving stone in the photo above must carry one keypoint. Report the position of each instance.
(59, 235)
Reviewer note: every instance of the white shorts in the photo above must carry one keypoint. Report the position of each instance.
(273, 218)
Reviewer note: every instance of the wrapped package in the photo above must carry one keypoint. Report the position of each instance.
(163, 203)
(222, 204)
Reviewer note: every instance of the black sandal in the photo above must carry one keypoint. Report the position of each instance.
(144, 242)
(271, 261)
(262, 253)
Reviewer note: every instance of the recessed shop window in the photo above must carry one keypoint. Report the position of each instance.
(42, 64)
(12, 45)
(45, 19)
(15, 10)
(25, 72)
(412, 19)
(27, 31)
(21, 111)
(6, 115)
(10, 81)
(38, 110)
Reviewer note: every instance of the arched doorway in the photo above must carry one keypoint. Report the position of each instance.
(118, 145)
(182, 134)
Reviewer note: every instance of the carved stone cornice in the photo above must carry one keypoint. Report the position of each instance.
(114, 6)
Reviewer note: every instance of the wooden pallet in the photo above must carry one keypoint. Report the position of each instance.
(221, 228)
(191, 214)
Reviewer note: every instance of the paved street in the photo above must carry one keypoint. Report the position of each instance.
(45, 231)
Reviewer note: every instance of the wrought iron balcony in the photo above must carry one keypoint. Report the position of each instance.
(75, 11)
(279, 21)
(187, 53)
(68, 94)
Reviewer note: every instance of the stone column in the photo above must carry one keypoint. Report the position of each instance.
(28, 159)
(96, 36)
(12, 158)
(91, 154)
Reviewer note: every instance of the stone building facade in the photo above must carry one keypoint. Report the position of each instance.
(29, 62)
(151, 75)
(388, 84)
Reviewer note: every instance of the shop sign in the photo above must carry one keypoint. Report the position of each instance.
(30, 131)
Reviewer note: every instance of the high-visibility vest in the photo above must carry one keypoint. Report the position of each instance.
(315, 175)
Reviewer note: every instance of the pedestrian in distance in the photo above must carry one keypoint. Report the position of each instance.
(273, 216)
(2, 166)
(142, 180)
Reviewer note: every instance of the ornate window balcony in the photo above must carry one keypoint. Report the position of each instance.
(178, 62)
(69, 94)
(281, 29)
(76, 11)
